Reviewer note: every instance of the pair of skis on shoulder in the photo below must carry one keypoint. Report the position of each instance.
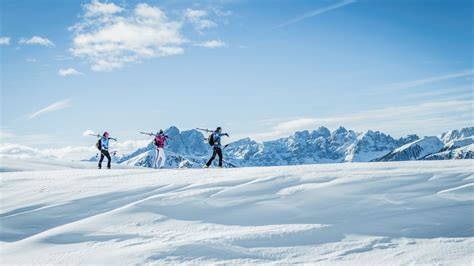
(99, 136)
(209, 131)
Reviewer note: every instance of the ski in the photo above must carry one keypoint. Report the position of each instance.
(99, 136)
(155, 135)
(149, 134)
(205, 130)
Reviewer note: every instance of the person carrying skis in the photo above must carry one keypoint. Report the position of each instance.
(103, 145)
(160, 140)
(215, 140)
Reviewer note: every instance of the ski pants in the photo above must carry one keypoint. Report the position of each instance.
(104, 153)
(218, 151)
(160, 154)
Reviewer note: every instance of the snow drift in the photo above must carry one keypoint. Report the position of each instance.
(366, 213)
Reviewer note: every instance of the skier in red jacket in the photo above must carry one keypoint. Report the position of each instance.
(160, 140)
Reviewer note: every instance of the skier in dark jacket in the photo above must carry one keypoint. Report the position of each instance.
(217, 147)
(104, 150)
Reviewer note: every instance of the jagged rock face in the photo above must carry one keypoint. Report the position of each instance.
(408, 139)
(242, 150)
(457, 134)
(369, 146)
(454, 139)
(302, 148)
(321, 132)
(186, 142)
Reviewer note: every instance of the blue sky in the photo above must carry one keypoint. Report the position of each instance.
(262, 69)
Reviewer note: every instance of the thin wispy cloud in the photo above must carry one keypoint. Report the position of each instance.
(317, 12)
(69, 72)
(197, 17)
(449, 92)
(424, 81)
(37, 40)
(212, 44)
(51, 108)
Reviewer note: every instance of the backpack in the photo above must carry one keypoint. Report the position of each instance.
(210, 139)
(98, 145)
(156, 141)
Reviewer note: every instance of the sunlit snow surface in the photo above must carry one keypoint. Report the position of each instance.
(367, 213)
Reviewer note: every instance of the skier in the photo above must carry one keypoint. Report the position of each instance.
(160, 140)
(215, 142)
(103, 145)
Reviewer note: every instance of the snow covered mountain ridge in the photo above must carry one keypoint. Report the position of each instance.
(189, 149)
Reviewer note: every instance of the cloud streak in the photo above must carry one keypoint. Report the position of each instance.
(51, 108)
(212, 44)
(429, 80)
(317, 12)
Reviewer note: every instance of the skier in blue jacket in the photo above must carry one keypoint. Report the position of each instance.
(216, 136)
(104, 150)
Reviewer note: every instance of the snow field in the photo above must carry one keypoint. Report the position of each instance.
(367, 213)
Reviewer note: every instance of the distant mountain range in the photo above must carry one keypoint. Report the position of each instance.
(188, 149)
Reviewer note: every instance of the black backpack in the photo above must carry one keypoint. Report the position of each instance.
(210, 139)
(98, 145)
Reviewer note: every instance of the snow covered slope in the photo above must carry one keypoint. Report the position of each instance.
(458, 135)
(458, 144)
(367, 213)
(415, 150)
(464, 152)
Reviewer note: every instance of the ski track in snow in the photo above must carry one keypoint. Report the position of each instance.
(366, 213)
